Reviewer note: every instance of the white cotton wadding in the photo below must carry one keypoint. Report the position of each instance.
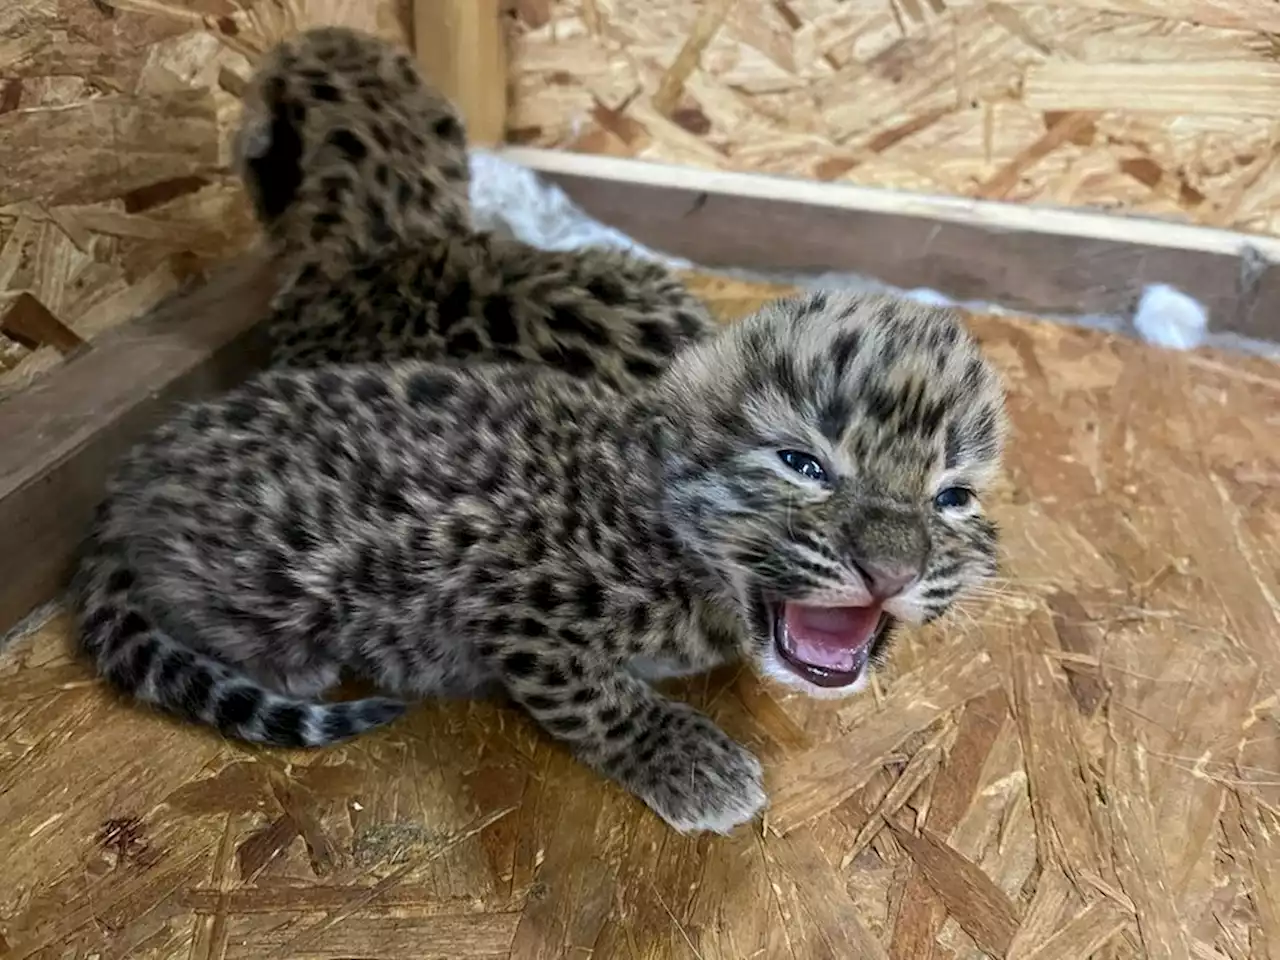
(1168, 317)
(515, 200)
(931, 297)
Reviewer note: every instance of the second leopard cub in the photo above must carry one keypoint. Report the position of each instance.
(783, 494)
(358, 172)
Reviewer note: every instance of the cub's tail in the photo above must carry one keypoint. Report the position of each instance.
(144, 663)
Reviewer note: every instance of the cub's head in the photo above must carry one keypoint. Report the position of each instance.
(342, 144)
(829, 465)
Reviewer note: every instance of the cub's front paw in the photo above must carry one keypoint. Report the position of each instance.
(692, 774)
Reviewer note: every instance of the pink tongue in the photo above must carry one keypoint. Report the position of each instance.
(834, 638)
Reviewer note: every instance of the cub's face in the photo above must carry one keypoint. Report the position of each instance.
(834, 475)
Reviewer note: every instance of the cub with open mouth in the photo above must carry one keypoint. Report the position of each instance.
(836, 481)
(783, 493)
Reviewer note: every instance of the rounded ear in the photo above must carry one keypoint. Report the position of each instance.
(253, 139)
(267, 152)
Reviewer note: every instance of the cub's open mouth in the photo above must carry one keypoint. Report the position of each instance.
(828, 646)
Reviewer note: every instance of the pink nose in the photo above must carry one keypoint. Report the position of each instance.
(887, 580)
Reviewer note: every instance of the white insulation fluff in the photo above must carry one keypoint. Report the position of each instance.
(1168, 317)
(512, 199)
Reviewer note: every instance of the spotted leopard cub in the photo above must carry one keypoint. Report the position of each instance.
(783, 494)
(358, 172)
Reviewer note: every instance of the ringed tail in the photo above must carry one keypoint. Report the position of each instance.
(143, 662)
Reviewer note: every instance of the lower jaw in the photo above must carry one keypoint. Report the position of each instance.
(827, 678)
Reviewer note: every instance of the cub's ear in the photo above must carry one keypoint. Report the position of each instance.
(253, 139)
(268, 151)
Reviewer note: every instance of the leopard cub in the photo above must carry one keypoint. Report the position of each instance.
(358, 173)
(783, 494)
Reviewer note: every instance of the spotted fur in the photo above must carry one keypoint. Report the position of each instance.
(450, 530)
(358, 172)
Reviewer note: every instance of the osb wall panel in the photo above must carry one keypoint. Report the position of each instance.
(116, 119)
(1156, 107)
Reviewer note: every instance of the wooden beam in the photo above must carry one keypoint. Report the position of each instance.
(461, 45)
(60, 437)
(1032, 258)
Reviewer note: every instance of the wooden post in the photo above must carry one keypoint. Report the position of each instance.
(461, 45)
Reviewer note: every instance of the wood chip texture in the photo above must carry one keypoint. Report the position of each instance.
(978, 804)
(116, 119)
(1163, 108)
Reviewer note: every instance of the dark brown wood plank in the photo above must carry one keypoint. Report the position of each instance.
(60, 436)
(1051, 262)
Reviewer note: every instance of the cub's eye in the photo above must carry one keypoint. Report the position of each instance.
(803, 464)
(953, 498)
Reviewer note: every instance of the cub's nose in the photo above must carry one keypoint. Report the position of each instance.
(887, 580)
(888, 544)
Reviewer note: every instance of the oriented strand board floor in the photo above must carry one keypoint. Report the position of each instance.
(1086, 763)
